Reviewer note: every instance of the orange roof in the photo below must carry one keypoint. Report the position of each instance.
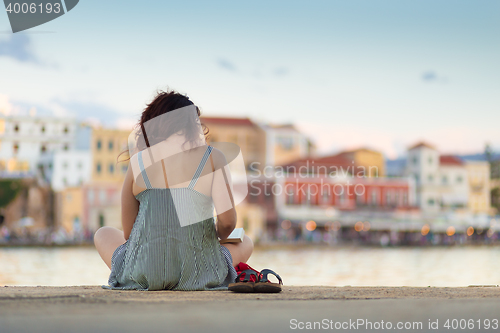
(450, 160)
(364, 149)
(422, 144)
(227, 121)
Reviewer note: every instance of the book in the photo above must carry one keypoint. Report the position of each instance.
(235, 237)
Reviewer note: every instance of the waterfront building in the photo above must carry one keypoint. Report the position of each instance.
(285, 144)
(478, 173)
(441, 181)
(371, 160)
(25, 138)
(63, 169)
(241, 131)
(260, 144)
(101, 195)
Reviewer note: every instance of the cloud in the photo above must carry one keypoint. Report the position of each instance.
(226, 64)
(281, 71)
(432, 76)
(429, 76)
(20, 48)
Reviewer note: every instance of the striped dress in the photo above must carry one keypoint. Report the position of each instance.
(161, 254)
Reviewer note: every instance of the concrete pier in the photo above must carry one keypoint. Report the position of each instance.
(93, 309)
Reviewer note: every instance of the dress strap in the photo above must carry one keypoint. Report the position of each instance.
(143, 171)
(203, 161)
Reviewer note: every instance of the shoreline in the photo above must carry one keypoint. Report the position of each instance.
(284, 246)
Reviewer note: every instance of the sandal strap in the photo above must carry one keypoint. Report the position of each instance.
(248, 273)
(265, 272)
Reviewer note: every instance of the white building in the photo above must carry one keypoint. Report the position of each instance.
(442, 181)
(66, 168)
(25, 138)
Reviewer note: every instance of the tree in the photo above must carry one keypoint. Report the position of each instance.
(9, 188)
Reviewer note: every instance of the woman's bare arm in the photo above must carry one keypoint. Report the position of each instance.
(130, 205)
(222, 196)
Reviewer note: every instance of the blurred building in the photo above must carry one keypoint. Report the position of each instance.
(372, 161)
(101, 206)
(105, 146)
(66, 168)
(495, 185)
(442, 181)
(261, 145)
(241, 131)
(478, 173)
(69, 210)
(26, 209)
(24, 138)
(284, 144)
(101, 196)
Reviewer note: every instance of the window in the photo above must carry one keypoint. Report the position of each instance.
(101, 220)
(99, 144)
(43, 148)
(430, 202)
(325, 197)
(430, 160)
(65, 165)
(66, 147)
(90, 195)
(396, 198)
(110, 145)
(16, 128)
(43, 129)
(416, 178)
(80, 165)
(66, 129)
(308, 198)
(111, 168)
(415, 160)
(290, 198)
(405, 199)
(98, 167)
(459, 179)
(430, 178)
(285, 143)
(15, 148)
(360, 199)
(444, 180)
(374, 198)
(388, 197)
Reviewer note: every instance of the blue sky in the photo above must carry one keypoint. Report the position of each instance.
(381, 74)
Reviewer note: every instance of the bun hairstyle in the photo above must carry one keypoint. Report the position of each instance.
(186, 124)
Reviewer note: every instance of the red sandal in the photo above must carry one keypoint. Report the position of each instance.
(250, 280)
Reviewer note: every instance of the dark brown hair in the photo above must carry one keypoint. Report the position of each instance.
(163, 102)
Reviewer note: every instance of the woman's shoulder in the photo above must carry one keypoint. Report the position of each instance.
(218, 157)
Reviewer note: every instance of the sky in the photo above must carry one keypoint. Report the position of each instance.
(378, 74)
